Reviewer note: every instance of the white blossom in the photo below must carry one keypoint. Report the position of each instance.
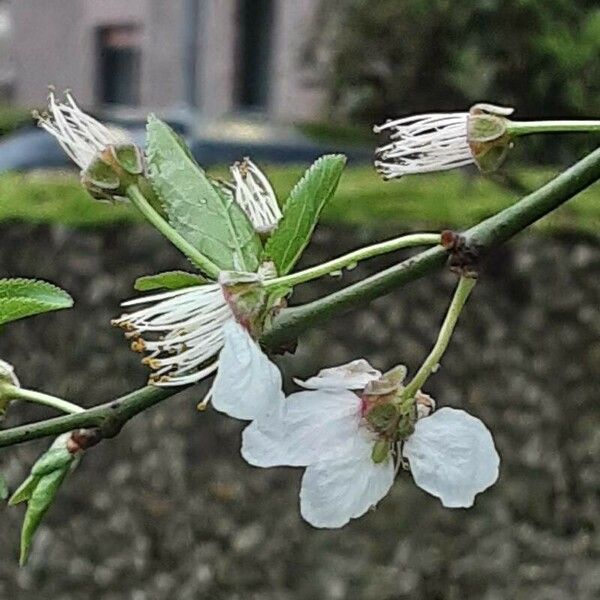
(452, 456)
(329, 430)
(424, 143)
(255, 196)
(81, 136)
(7, 374)
(324, 430)
(192, 333)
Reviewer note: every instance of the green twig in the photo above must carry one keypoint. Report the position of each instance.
(352, 258)
(109, 417)
(16, 393)
(527, 127)
(465, 285)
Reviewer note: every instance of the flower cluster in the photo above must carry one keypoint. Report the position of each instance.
(351, 427)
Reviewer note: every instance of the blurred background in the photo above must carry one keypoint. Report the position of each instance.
(168, 509)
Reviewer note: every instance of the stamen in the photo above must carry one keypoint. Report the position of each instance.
(181, 331)
(424, 143)
(255, 196)
(81, 136)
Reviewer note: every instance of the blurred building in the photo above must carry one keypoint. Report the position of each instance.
(217, 56)
(6, 70)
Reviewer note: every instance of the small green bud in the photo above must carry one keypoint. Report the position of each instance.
(41, 487)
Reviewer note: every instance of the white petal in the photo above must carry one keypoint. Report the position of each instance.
(247, 381)
(263, 441)
(452, 456)
(352, 376)
(321, 424)
(335, 491)
(309, 426)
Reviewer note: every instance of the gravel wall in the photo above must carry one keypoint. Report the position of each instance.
(169, 510)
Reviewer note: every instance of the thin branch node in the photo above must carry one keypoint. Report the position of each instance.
(465, 256)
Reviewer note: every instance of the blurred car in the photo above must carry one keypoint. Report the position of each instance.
(32, 148)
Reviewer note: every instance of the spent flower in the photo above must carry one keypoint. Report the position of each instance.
(442, 141)
(106, 156)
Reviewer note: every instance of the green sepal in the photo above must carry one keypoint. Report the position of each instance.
(169, 280)
(380, 452)
(382, 417)
(129, 157)
(24, 491)
(301, 212)
(389, 383)
(101, 175)
(490, 158)
(486, 128)
(20, 298)
(487, 135)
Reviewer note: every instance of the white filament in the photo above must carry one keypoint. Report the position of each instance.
(81, 136)
(181, 332)
(424, 143)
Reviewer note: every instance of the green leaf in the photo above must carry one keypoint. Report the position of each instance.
(301, 211)
(169, 280)
(206, 217)
(38, 504)
(3, 488)
(21, 298)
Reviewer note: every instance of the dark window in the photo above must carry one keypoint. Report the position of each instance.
(254, 53)
(119, 61)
